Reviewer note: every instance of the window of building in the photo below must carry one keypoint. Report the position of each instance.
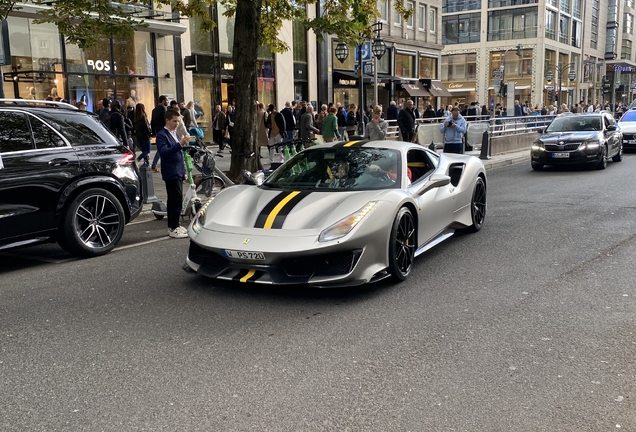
(428, 67)
(299, 35)
(576, 8)
(421, 18)
(410, 21)
(460, 5)
(564, 29)
(463, 28)
(612, 12)
(432, 22)
(383, 7)
(397, 18)
(610, 43)
(628, 3)
(565, 6)
(628, 23)
(200, 40)
(626, 49)
(550, 24)
(576, 33)
(459, 67)
(517, 23)
(226, 31)
(505, 3)
(594, 26)
(405, 65)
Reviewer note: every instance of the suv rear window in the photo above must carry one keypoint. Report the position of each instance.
(15, 134)
(79, 128)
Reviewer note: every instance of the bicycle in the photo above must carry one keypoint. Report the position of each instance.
(213, 179)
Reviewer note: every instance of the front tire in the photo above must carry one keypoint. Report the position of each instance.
(537, 166)
(618, 156)
(602, 164)
(93, 223)
(478, 206)
(402, 245)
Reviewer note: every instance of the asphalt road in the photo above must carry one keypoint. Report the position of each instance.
(528, 325)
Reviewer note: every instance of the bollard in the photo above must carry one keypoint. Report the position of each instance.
(147, 186)
(485, 146)
(432, 146)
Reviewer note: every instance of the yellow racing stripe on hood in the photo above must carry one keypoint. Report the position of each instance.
(349, 144)
(272, 216)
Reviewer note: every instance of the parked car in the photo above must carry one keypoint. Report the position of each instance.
(339, 214)
(63, 177)
(577, 139)
(627, 125)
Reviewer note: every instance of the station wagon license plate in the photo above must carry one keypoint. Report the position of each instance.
(560, 155)
(629, 141)
(255, 256)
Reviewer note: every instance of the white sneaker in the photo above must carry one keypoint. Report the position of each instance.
(178, 232)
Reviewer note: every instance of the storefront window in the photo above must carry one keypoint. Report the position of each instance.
(226, 31)
(34, 47)
(133, 56)
(405, 65)
(266, 87)
(459, 67)
(203, 94)
(428, 67)
(95, 59)
(91, 89)
(200, 40)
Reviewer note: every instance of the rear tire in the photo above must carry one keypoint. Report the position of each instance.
(402, 245)
(537, 166)
(93, 223)
(478, 206)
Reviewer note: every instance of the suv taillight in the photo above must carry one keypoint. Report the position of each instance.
(127, 158)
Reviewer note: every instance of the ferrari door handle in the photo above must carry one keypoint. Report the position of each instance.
(58, 162)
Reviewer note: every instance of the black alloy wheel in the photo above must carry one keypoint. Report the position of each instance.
(402, 245)
(478, 206)
(93, 223)
(602, 163)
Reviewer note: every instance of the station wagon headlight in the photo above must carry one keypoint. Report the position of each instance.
(538, 146)
(346, 224)
(199, 219)
(590, 145)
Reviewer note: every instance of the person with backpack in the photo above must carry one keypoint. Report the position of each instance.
(118, 124)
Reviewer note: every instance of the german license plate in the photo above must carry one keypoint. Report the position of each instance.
(630, 141)
(560, 155)
(255, 256)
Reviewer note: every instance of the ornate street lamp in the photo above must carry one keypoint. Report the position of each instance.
(378, 47)
(549, 76)
(342, 52)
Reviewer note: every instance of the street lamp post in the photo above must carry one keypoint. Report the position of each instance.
(378, 48)
(559, 69)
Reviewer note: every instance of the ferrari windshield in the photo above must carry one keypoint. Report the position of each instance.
(340, 168)
(575, 123)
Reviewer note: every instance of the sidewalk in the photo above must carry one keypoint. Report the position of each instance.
(223, 163)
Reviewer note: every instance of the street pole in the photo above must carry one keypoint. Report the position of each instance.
(375, 81)
(361, 90)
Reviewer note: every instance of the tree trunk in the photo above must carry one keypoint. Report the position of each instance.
(248, 16)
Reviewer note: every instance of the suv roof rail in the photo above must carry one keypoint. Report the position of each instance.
(32, 102)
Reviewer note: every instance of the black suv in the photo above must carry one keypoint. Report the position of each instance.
(63, 177)
(573, 139)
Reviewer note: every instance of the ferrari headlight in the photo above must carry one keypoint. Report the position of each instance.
(346, 224)
(591, 145)
(538, 146)
(199, 219)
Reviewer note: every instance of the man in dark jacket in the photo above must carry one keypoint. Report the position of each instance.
(276, 125)
(173, 170)
(429, 112)
(290, 121)
(406, 121)
(392, 112)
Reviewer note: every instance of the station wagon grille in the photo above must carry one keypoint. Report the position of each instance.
(567, 147)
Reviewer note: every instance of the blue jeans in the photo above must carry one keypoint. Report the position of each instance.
(454, 148)
(156, 159)
(291, 134)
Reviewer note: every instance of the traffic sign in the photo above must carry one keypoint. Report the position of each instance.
(366, 52)
(367, 68)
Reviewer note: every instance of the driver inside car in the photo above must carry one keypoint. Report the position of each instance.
(392, 172)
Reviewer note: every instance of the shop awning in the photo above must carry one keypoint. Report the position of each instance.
(461, 90)
(415, 90)
(438, 89)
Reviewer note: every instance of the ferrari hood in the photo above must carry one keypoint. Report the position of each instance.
(251, 207)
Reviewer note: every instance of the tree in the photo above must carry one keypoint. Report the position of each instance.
(349, 20)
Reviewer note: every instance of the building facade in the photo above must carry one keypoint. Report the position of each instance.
(492, 42)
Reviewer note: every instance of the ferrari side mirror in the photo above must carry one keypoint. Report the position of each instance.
(436, 181)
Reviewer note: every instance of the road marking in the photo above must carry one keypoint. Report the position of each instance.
(141, 243)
